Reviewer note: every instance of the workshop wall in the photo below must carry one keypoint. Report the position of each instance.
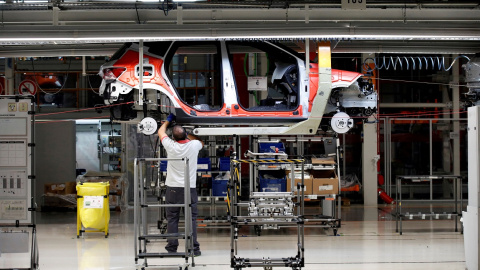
(54, 154)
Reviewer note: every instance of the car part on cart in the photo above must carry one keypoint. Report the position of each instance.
(271, 207)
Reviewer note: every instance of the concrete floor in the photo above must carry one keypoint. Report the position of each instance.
(366, 240)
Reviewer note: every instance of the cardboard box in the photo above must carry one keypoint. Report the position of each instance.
(115, 185)
(324, 182)
(307, 182)
(50, 188)
(324, 161)
(322, 186)
(67, 188)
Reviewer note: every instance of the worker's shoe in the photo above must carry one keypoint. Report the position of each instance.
(171, 250)
(197, 253)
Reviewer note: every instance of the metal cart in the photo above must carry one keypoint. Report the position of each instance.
(454, 214)
(143, 238)
(266, 210)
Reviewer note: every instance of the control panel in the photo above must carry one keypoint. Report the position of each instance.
(13, 183)
(15, 160)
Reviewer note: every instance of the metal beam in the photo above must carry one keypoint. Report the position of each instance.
(119, 25)
(239, 131)
(116, 16)
(415, 105)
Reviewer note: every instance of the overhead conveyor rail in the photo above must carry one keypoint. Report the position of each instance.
(266, 210)
(143, 238)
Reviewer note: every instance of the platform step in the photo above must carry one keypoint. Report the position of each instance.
(162, 255)
(163, 236)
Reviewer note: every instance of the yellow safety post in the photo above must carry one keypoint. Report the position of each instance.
(93, 211)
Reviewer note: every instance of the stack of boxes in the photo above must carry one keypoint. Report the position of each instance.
(321, 179)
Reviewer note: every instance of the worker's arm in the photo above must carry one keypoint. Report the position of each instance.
(162, 131)
(194, 137)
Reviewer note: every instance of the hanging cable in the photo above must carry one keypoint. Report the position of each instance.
(64, 83)
(138, 16)
(88, 79)
(166, 7)
(387, 62)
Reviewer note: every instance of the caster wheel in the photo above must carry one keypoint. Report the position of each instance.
(334, 232)
(258, 230)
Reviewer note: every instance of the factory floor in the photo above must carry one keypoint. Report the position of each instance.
(366, 240)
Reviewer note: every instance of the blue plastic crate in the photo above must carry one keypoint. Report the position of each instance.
(273, 185)
(163, 166)
(272, 181)
(219, 188)
(204, 164)
(271, 147)
(224, 164)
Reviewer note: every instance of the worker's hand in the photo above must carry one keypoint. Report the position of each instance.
(171, 117)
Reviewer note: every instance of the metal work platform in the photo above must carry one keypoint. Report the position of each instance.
(143, 237)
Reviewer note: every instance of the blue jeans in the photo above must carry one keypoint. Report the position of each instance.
(175, 195)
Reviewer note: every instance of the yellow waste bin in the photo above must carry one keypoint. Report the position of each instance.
(93, 212)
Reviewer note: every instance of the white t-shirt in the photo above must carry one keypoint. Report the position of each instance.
(175, 169)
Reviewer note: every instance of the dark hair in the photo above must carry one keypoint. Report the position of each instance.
(179, 133)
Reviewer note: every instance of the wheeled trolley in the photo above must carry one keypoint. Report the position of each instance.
(144, 237)
(93, 211)
(266, 210)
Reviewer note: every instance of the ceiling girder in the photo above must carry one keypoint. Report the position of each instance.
(411, 29)
(219, 17)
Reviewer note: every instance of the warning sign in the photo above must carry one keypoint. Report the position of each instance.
(27, 87)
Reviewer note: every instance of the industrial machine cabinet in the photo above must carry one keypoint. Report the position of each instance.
(17, 181)
(266, 210)
(144, 239)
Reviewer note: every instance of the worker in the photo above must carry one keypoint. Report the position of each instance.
(183, 145)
